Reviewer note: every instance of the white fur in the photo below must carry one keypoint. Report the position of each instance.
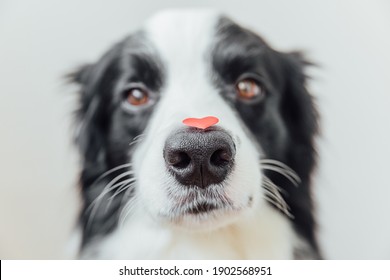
(183, 39)
(259, 234)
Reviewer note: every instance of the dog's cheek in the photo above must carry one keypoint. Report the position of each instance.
(245, 181)
(150, 171)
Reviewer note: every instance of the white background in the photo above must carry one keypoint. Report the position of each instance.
(40, 41)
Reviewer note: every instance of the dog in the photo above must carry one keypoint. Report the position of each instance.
(197, 141)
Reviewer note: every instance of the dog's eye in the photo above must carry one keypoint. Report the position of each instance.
(137, 96)
(248, 89)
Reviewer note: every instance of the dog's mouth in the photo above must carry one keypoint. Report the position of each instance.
(195, 201)
(203, 217)
(201, 209)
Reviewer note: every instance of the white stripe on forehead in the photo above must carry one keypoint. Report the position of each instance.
(183, 40)
(182, 37)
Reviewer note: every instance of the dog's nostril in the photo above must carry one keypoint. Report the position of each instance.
(179, 160)
(220, 158)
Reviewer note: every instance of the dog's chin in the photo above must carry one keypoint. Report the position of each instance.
(204, 218)
(208, 221)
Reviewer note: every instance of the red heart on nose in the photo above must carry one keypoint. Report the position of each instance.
(202, 123)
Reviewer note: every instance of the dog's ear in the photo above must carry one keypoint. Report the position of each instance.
(80, 75)
(301, 117)
(88, 134)
(96, 82)
(298, 106)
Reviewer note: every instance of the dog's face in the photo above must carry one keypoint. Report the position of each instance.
(183, 65)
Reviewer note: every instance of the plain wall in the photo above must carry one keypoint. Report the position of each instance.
(40, 41)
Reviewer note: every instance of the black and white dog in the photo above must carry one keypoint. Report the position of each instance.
(155, 188)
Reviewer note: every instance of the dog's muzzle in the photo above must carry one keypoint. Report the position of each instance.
(199, 157)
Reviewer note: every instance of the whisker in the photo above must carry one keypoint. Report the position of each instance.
(127, 209)
(273, 196)
(137, 139)
(290, 176)
(139, 136)
(126, 184)
(278, 163)
(110, 172)
(111, 185)
(134, 142)
(108, 188)
(122, 188)
(282, 169)
(127, 193)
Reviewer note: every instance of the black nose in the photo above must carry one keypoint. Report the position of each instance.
(199, 157)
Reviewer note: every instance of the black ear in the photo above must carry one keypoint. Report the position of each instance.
(96, 82)
(298, 106)
(301, 118)
(80, 75)
(88, 133)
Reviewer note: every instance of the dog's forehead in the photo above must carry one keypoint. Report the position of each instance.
(179, 33)
(181, 23)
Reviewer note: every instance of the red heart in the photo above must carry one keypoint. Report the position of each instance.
(202, 123)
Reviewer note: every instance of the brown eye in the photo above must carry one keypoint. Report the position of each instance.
(137, 96)
(248, 89)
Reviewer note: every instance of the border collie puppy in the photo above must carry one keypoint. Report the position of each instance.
(234, 185)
